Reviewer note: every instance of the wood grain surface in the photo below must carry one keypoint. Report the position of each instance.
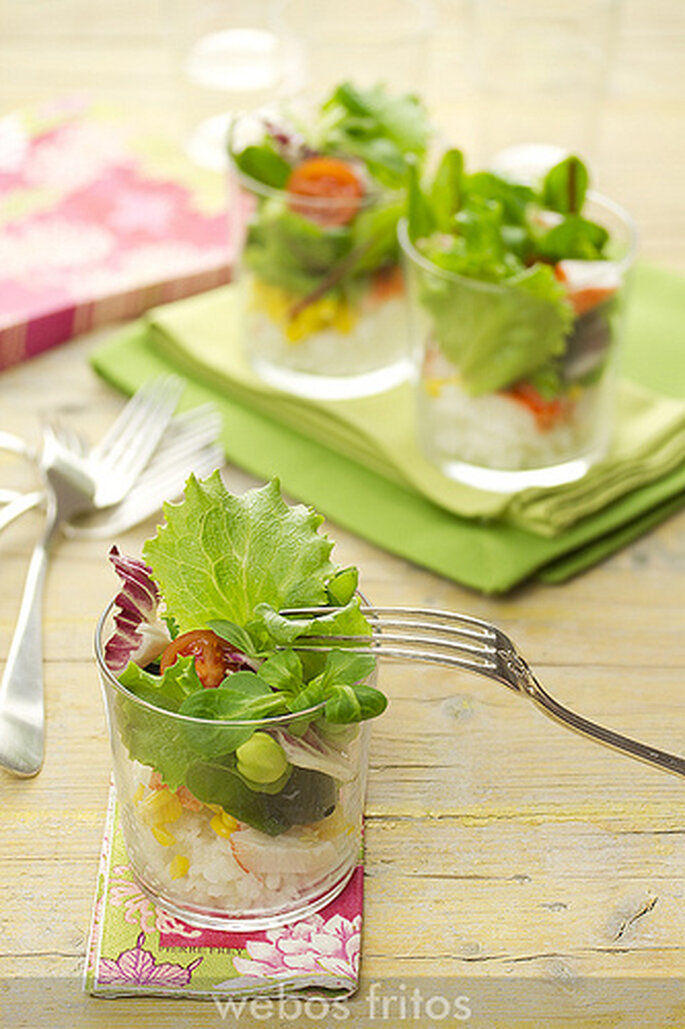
(507, 859)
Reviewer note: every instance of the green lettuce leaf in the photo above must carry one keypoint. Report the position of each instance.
(496, 338)
(220, 556)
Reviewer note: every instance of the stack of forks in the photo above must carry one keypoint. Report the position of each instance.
(143, 460)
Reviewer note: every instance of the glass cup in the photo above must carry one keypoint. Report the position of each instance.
(540, 70)
(211, 846)
(321, 315)
(511, 438)
(387, 41)
(230, 59)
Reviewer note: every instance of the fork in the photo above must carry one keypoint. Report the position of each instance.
(73, 484)
(461, 641)
(190, 444)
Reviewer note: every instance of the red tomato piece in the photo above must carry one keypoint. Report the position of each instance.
(215, 658)
(321, 179)
(546, 412)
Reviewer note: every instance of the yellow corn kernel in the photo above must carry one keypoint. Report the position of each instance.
(433, 387)
(344, 320)
(161, 807)
(179, 866)
(162, 836)
(216, 808)
(220, 827)
(229, 821)
(139, 794)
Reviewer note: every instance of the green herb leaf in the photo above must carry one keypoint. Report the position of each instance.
(342, 586)
(167, 690)
(565, 185)
(446, 191)
(264, 164)
(235, 635)
(283, 671)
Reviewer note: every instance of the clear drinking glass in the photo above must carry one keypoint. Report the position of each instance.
(540, 70)
(321, 316)
(385, 41)
(210, 848)
(507, 439)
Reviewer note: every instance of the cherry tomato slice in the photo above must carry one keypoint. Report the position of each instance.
(546, 412)
(215, 657)
(321, 179)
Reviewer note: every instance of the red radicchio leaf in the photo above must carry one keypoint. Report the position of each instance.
(137, 602)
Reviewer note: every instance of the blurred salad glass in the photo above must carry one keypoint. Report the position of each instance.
(239, 760)
(318, 194)
(516, 294)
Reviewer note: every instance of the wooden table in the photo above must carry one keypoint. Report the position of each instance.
(502, 852)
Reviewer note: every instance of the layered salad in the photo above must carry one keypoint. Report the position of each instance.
(518, 286)
(320, 262)
(239, 757)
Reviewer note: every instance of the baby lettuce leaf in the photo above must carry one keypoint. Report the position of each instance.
(447, 189)
(219, 556)
(283, 671)
(243, 696)
(342, 586)
(264, 164)
(565, 185)
(379, 128)
(167, 690)
(308, 796)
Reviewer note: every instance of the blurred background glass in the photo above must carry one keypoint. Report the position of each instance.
(540, 71)
(230, 59)
(385, 41)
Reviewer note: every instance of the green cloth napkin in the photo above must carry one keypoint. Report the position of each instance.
(354, 460)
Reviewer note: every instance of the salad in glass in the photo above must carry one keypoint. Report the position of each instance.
(239, 760)
(319, 265)
(516, 294)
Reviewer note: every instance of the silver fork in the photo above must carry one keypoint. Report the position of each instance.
(73, 484)
(189, 445)
(460, 641)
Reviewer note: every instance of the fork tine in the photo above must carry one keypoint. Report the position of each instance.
(131, 412)
(142, 422)
(157, 483)
(416, 634)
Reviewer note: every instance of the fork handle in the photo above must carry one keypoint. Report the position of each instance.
(22, 711)
(652, 755)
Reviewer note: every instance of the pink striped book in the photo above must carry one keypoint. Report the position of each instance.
(98, 223)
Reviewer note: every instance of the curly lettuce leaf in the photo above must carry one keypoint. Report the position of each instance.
(220, 556)
(499, 337)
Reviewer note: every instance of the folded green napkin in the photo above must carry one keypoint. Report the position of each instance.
(358, 463)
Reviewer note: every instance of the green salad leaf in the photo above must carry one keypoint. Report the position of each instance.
(264, 164)
(167, 690)
(482, 230)
(376, 126)
(219, 556)
(231, 564)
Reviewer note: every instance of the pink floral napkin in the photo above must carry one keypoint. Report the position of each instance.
(98, 223)
(137, 949)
